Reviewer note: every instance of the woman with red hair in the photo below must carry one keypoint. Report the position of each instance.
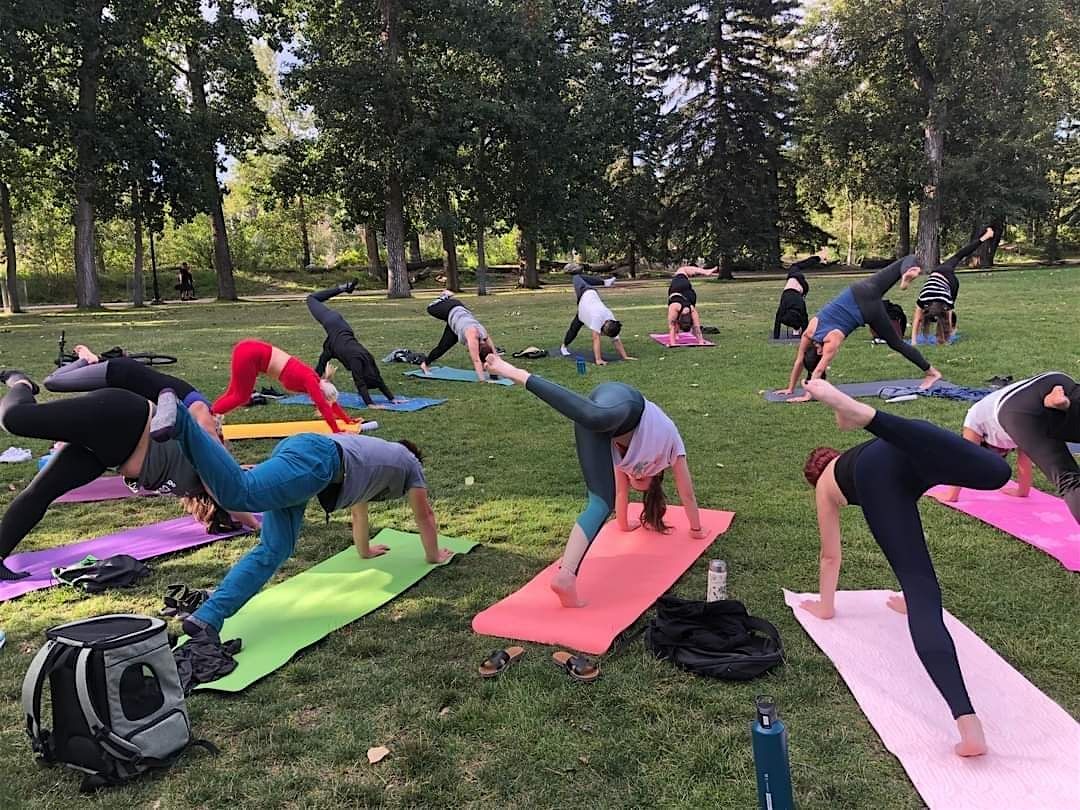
(886, 476)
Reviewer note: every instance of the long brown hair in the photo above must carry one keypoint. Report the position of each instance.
(208, 512)
(655, 504)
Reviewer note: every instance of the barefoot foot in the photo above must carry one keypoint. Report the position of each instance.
(1057, 399)
(84, 353)
(898, 603)
(972, 742)
(850, 414)
(564, 584)
(932, 376)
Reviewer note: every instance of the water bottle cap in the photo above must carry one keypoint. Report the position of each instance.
(766, 710)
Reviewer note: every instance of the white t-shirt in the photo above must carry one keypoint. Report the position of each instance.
(655, 445)
(592, 311)
(982, 417)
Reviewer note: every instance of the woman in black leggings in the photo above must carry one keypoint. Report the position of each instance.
(461, 327)
(341, 345)
(886, 476)
(682, 314)
(104, 429)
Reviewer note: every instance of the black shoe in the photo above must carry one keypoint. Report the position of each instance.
(257, 399)
(7, 575)
(349, 286)
(163, 423)
(271, 393)
(10, 376)
(199, 631)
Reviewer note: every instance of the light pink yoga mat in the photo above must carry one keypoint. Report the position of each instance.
(1034, 757)
(683, 339)
(623, 574)
(1040, 520)
(106, 488)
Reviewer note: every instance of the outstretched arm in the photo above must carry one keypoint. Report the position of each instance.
(428, 526)
(472, 342)
(796, 369)
(1023, 476)
(828, 351)
(598, 355)
(829, 575)
(361, 534)
(953, 494)
(622, 503)
(685, 486)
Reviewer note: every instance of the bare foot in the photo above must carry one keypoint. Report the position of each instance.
(850, 414)
(972, 742)
(1057, 400)
(83, 353)
(932, 376)
(564, 584)
(897, 603)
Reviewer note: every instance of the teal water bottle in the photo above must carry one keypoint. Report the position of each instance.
(771, 757)
(580, 364)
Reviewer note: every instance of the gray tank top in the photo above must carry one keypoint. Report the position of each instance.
(461, 319)
(167, 471)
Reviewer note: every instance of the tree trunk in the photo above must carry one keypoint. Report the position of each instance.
(725, 265)
(137, 268)
(397, 284)
(531, 278)
(984, 255)
(9, 283)
(850, 228)
(929, 249)
(305, 242)
(415, 255)
(903, 247)
(450, 265)
(632, 258)
(87, 293)
(481, 263)
(223, 265)
(371, 247)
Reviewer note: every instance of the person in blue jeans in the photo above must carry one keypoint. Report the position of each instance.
(342, 470)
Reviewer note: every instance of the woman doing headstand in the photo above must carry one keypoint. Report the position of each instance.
(886, 476)
(623, 441)
(250, 358)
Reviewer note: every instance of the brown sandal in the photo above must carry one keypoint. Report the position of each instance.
(577, 667)
(500, 660)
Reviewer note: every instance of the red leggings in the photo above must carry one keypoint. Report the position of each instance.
(250, 358)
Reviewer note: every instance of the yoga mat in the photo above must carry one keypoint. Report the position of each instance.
(587, 355)
(1074, 448)
(279, 430)
(863, 390)
(282, 620)
(348, 399)
(106, 488)
(683, 339)
(452, 375)
(1034, 744)
(931, 340)
(142, 543)
(623, 574)
(1040, 520)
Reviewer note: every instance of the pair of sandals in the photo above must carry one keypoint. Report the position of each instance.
(578, 667)
(181, 601)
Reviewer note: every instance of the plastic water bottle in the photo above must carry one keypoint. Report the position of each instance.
(716, 587)
(368, 426)
(770, 740)
(580, 365)
(3, 639)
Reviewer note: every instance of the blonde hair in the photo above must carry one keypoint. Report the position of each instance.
(329, 390)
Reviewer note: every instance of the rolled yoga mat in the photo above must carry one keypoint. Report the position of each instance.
(862, 390)
(279, 430)
(1034, 744)
(452, 375)
(142, 543)
(285, 618)
(683, 339)
(347, 399)
(622, 575)
(1040, 520)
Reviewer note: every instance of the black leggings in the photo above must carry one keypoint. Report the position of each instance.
(868, 294)
(332, 321)
(102, 429)
(891, 474)
(441, 308)
(681, 285)
(1042, 433)
(120, 372)
(572, 331)
(611, 409)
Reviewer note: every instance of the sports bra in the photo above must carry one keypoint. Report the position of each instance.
(844, 471)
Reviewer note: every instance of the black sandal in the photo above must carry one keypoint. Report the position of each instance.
(577, 667)
(500, 660)
(181, 601)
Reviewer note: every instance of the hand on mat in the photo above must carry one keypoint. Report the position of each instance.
(802, 398)
(443, 555)
(815, 608)
(631, 525)
(699, 534)
(1015, 491)
(248, 519)
(375, 551)
(786, 392)
(601, 362)
(898, 603)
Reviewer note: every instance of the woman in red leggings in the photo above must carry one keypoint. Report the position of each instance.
(250, 358)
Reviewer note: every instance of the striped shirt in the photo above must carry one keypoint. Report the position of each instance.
(938, 287)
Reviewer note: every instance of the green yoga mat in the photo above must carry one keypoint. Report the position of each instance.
(453, 375)
(285, 618)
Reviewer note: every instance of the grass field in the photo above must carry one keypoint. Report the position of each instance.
(646, 734)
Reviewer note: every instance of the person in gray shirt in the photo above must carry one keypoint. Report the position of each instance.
(461, 327)
(342, 470)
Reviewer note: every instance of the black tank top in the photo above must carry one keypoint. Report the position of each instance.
(844, 472)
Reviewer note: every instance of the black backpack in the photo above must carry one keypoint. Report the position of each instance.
(715, 639)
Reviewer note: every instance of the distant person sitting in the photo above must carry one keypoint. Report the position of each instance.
(792, 309)
(185, 283)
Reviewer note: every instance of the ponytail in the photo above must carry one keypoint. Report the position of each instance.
(655, 505)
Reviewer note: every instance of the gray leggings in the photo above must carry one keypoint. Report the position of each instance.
(120, 372)
(1042, 433)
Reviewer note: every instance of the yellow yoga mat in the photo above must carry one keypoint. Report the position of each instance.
(279, 430)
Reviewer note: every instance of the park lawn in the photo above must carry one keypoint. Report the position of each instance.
(404, 676)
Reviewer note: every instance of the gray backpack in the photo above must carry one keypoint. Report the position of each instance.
(117, 706)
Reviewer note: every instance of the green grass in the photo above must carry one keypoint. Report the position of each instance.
(646, 734)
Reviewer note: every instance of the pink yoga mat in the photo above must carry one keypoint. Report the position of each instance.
(106, 488)
(1034, 757)
(623, 574)
(1040, 520)
(142, 543)
(683, 339)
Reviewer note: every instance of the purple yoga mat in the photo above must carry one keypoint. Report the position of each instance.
(142, 543)
(106, 488)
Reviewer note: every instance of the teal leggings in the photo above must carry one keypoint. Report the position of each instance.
(611, 410)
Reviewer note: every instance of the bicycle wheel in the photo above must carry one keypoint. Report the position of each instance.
(153, 359)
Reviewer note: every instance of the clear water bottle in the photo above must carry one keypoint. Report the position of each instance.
(770, 741)
(580, 364)
(716, 588)
(368, 426)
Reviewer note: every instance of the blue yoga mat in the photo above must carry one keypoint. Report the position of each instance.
(452, 374)
(931, 340)
(347, 399)
(865, 390)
